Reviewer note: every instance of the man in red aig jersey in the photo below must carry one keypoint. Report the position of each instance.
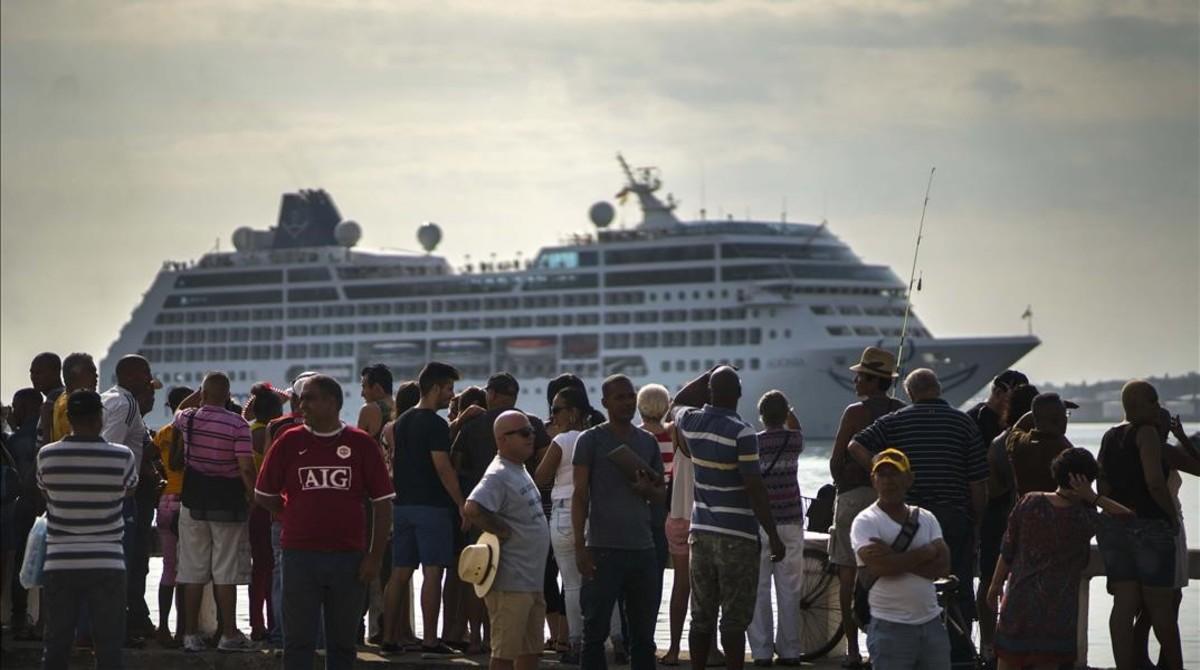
(317, 479)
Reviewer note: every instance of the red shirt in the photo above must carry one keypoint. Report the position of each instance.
(324, 481)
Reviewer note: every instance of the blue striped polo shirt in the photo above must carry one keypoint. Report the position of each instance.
(943, 445)
(724, 449)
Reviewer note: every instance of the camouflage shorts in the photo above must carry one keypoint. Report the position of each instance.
(724, 576)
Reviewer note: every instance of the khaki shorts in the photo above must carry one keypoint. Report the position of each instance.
(211, 551)
(517, 621)
(846, 506)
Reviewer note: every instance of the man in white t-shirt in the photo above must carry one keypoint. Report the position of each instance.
(906, 630)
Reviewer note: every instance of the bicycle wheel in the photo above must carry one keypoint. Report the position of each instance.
(820, 616)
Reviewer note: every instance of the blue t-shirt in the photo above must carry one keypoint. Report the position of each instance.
(724, 448)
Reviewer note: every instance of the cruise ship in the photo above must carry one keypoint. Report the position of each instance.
(789, 304)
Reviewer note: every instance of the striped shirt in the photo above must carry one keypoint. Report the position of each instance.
(724, 449)
(779, 451)
(85, 481)
(123, 421)
(943, 445)
(216, 440)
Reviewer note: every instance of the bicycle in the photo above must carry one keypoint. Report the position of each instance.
(958, 627)
(820, 617)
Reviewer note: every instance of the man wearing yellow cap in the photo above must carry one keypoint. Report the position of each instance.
(905, 629)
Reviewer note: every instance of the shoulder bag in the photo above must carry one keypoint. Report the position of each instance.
(207, 497)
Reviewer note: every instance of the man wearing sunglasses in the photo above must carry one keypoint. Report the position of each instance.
(507, 504)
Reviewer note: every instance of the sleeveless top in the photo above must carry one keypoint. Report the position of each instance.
(852, 475)
(1122, 465)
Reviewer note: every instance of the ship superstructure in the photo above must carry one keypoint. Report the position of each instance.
(787, 303)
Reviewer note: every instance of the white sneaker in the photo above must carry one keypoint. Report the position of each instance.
(194, 643)
(239, 642)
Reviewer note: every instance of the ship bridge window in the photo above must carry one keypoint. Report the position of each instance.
(556, 282)
(247, 279)
(315, 294)
(795, 251)
(221, 299)
(565, 260)
(837, 330)
(465, 285)
(662, 276)
(388, 271)
(298, 275)
(694, 252)
(802, 271)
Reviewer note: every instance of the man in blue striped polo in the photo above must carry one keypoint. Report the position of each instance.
(85, 479)
(730, 505)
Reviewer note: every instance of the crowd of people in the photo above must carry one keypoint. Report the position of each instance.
(521, 525)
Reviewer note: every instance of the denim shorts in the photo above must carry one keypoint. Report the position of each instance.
(1139, 550)
(422, 535)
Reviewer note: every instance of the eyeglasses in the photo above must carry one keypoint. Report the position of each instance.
(524, 431)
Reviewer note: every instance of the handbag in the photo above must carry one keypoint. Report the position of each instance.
(864, 581)
(210, 498)
(33, 566)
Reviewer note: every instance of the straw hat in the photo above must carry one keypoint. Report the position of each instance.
(478, 562)
(877, 362)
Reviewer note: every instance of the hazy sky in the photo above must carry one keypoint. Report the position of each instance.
(1066, 137)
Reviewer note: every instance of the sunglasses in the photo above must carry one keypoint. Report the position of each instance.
(524, 431)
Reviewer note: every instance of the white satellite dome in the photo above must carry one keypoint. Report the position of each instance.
(243, 239)
(429, 235)
(602, 214)
(347, 233)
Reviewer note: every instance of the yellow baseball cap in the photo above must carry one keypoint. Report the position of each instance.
(892, 457)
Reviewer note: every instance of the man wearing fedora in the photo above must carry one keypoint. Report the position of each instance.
(507, 566)
(873, 375)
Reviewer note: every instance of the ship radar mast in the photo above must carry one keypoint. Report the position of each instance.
(643, 182)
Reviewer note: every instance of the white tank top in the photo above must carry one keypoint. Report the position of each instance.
(564, 477)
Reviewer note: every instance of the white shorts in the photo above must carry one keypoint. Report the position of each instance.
(211, 551)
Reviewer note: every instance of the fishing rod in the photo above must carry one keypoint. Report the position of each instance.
(912, 277)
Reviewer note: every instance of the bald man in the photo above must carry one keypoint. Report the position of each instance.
(731, 507)
(1139, 556)
(123, 425)
(507, 504)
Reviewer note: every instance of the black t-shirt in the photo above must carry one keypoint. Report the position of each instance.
(987, 420)
(419, 433)
(475, 446)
